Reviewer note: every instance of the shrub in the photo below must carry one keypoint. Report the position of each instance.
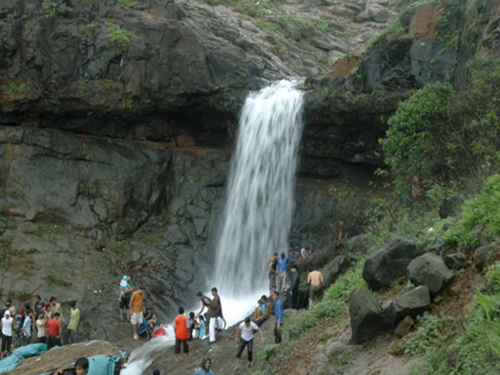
(118, 35)
(416, 135)
(483, 209)
(267, 351)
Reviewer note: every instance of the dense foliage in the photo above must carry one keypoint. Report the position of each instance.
(442, 135)
(480, 217)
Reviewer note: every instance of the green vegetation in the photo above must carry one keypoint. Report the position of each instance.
(127, 3)
(415, 136)
(471, 350)
(118, 35)
(444, 136)
(17, 88)
(267, 351)
(50, 9)
(332, 306)
(482, 209)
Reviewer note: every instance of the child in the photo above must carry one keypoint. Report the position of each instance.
(153, 321)
(200, 328)
(191, 322)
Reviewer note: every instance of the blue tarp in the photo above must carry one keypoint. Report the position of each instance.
(98, 365)
(30, 350)
(11, 362)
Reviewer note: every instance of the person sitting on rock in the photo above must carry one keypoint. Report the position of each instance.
(81, 367)
(258, 311)
(266, 309)
(153, 321)
(205, 368)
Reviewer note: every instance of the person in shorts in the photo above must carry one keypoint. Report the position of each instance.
(126, 290)
(136, 310)
(181, 333)
(273, 273)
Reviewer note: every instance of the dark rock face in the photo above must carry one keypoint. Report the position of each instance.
(455, 261)
(483, 255)
(54, 176)
(334, 269)
(431, 270)
(389, 264)
(366, 318)
(412, 303)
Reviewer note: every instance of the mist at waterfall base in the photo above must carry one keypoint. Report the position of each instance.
(258, 210)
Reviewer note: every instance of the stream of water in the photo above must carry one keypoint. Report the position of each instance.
(258, 210)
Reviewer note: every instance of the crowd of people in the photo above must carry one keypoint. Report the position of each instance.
(45, 322)
(42, 323)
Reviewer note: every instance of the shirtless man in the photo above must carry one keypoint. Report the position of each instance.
(315, 282)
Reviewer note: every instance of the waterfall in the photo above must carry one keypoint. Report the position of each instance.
(258, 209)
(260, 200)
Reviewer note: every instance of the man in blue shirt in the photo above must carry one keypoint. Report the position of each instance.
(282, 263)
(279, 314)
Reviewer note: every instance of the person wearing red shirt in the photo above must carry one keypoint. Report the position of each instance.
(181, 333)
(53, 332)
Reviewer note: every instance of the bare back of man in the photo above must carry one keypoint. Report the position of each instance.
(315, 282)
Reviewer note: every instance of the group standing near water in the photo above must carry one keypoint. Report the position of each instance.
(46, 320)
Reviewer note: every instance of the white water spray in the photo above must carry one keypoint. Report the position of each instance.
(258, 209)
(260, 199)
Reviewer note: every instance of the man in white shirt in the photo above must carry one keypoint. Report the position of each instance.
(6, 333)
(246, 340)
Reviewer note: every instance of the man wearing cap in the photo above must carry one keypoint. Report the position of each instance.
(126, 289)
(6, 333)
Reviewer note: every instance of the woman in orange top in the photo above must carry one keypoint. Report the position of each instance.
(181, 333)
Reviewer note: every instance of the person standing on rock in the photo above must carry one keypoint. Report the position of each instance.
(55, 307)
(215, 312)
(294, 288)
(74, 322)
(27, 328)
(279, 315)
(126, 290)
(205, 368)
(315, 282)
(181, 334)
(137, 309)
(7, 322)
(244, 337)
(54, 329)
(41, 322)
(273, 273)
(282, 265)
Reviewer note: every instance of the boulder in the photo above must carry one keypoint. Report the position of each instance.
(345, 65)
(379, 15)
(431, 270)
(483, 255)
(366, 315)
(364, 16)
(424, 21)
(404, 326)
(412, 303)
(389, 263)
(456, 261)
(329, 42)
(334, 269)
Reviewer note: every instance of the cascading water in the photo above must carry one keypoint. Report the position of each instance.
(259, 206)
(260, 200)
